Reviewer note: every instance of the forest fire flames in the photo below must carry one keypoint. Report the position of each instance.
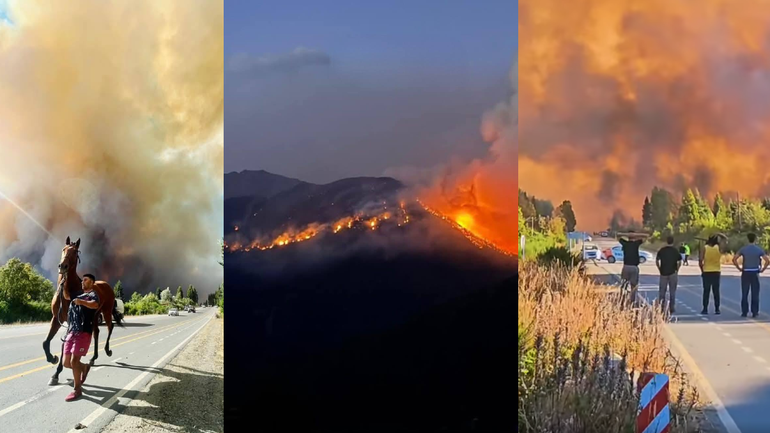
(291, 236)
(463, 223)
(609, 107)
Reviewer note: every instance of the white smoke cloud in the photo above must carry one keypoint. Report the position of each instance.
(111, 130)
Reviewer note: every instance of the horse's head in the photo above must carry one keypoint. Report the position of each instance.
(69, 256)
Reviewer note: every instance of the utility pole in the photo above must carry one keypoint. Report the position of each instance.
(740, 222)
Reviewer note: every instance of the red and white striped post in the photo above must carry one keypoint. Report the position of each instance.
(654, 412)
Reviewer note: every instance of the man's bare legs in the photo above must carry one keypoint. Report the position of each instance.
(73, 362)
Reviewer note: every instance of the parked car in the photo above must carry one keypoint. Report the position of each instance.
(591, 252)
(604, 234)
(615, 254)
(173, 312)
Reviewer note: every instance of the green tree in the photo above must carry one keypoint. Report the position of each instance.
(20, 283)
(705, 215)
(527, 206)
(766, 203)
(192, 293)
(118, 290)
(556, 227)
(522, 223)
(158, 291)
(165, 296)
(689, 212)
(647, 212)
(222, 252)
(543, 207)
(135, 297)
(565, 210)
(179, 293)
(722, 217)
(662, 203)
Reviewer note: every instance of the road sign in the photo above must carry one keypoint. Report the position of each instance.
(654, 412)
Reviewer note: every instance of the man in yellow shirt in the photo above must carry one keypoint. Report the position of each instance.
(711, 272)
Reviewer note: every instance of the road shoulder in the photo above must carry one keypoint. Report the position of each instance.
(709, 410)
(187, 395)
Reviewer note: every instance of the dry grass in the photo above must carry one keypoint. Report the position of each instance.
(570, 377)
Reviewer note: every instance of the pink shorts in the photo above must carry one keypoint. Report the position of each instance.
(77, 343)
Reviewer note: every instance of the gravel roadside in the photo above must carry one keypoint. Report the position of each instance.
(188, 396)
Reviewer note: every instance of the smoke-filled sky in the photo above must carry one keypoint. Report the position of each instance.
(111, 130)
(617, 96)
(416, 90)
(326, 90)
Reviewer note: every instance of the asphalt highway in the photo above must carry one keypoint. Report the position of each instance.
(142, 348)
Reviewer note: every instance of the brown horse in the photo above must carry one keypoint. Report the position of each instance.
(70, 286)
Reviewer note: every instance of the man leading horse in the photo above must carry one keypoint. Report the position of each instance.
(69, 287)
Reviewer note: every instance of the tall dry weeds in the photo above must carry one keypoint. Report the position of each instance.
(581, 352)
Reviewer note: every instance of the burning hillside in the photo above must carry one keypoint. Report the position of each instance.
(618, 96)
(397, 216)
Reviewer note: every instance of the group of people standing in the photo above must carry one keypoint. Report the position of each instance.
(751, 260)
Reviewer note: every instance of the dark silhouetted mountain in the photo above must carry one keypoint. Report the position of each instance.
(260, 183)
(403, 328)
(308, 203)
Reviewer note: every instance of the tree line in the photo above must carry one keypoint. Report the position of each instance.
(543, 225)
(692, 215)
(537, 214)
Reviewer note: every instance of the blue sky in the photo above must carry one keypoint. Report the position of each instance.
(383, 85)
(4, 14)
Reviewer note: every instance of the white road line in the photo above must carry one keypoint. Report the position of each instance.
(704, 318)
(153, 342)
(738, 342)
(746, 349)
(704, 383)
(21, 404)
(719, 328)
(727, 334)
(105, 406)
(760, 359)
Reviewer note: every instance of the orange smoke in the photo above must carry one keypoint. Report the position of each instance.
(482, 196)
(618, 96)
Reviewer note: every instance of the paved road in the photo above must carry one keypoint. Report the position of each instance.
(28, 404)
(729, 354)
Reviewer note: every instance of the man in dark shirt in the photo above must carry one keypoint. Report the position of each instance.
(668, 261)
(80, 320)
(630, 243)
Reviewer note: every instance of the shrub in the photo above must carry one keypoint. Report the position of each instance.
(559, 256)
(571, 378)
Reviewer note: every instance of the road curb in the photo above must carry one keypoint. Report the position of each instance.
(107, 406)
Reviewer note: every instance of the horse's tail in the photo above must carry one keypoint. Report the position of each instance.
(116, 314)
